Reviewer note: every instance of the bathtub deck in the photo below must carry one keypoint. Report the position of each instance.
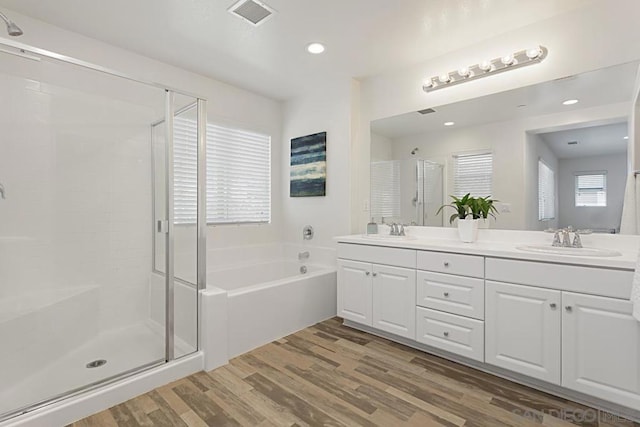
(329, 374)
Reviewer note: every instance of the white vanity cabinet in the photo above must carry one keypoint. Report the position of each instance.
(523, 331)
(563, 326)
(375, 294)
(354, 291)
(601, 348)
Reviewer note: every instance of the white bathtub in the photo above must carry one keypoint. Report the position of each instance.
(251, 305)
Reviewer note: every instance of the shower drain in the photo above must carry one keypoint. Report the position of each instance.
(96, 363)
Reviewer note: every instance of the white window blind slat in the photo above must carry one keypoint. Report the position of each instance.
(546, 192)
(385, 189)
(591, 189)
(472, 173)
(238, 174)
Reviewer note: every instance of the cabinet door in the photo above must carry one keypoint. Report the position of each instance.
(601, 348)
(522, 330)
(394, 300)
(354, 291)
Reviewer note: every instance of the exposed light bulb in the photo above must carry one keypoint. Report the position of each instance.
(444, 78)
(464, 71)
(485, 65)
(570, 102)
(428, 83)
(534, 52)
(507, 60)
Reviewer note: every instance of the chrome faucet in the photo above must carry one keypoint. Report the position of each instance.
(562, 237)
(2, 191)
(396, 229)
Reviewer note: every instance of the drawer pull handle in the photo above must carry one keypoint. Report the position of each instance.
(446, 294)
(553, 305)
(367, 273)
(446, 334)
(375, 274)
(446, 264)
(569, 308)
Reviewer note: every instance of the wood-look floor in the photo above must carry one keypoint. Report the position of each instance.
(332, 375)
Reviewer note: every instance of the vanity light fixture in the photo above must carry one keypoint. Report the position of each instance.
(570, 102)
(486, 68)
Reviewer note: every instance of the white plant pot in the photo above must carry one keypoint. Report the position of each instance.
(483, 223)
(468, 230)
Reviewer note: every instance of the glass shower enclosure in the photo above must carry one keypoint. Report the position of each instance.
(86, 215)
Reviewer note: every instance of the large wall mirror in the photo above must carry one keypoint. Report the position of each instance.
(554, 154)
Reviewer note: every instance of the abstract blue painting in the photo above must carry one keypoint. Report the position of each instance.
(308, 165)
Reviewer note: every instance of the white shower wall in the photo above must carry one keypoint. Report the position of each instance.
(77, 171)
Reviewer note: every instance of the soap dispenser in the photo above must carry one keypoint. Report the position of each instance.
(372, 227)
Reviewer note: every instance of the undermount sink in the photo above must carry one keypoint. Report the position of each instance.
(592, 252)
(387, 237)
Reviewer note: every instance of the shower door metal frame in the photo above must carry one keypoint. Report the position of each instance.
(21, 49)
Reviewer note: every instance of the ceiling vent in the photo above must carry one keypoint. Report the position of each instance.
(427, 111)
(253, 11)
(572, 143)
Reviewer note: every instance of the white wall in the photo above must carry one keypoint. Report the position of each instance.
(381, 148)
(226, 105)
(592, 217)
(574, 47)
(328, 109)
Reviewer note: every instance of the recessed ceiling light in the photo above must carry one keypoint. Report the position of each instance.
(570, 102)
(449, 123)
(626, 137)
(315, 48)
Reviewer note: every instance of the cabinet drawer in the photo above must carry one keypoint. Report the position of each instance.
(453, 294)
(443, 262)
(378, 254)
(586, 280)
(456, 334)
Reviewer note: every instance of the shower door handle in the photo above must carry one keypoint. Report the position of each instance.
(162, 226)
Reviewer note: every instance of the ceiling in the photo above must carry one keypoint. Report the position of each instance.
(595, 88)
(592, 141)
(363, 37)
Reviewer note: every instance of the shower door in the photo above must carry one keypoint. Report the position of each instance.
(80, 302)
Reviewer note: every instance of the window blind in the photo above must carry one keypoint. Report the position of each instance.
(591, 189)
(238, 174)
(472, 173)
(385, 189)
(546, 192)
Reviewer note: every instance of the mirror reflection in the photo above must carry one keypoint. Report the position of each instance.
(554, 155)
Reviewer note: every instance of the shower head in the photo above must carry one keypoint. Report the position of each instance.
(12, 29)
(414, 151)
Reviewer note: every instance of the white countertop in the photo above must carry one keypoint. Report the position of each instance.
(504, 243)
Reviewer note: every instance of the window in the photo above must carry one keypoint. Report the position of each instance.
(546, 192)
(385, 189)
(238, 174)
(591, 189)
(472, 173)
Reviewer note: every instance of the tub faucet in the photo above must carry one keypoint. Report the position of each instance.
(303, 255)
(2, 191)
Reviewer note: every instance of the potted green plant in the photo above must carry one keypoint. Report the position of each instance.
(487, 209)
(468, 211)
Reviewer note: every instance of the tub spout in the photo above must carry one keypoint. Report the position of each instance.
(303, 255)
